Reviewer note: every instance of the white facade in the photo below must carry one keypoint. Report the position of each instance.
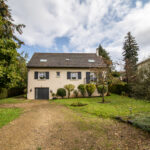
(56, 80)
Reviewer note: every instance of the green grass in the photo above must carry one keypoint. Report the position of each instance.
(8, 114)
(116, 106)
(13, 100)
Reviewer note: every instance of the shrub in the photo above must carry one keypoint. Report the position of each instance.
(115, 74)
(75, 93)
(69, 88)
(82, 89)
(102, 89)
(90, 88)
(118, 88)
(3, 93)
(61, 92)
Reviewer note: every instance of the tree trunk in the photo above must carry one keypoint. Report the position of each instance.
(103, 100)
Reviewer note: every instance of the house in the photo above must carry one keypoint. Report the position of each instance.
(144, 64)
(49, 71)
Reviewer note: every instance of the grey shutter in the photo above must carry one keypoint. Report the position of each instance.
(47, 75)
(87, 77)
(35, 75)
(68, 75)
(79, 75)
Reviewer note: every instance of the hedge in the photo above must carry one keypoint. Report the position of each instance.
(119, 88)
(4, 93)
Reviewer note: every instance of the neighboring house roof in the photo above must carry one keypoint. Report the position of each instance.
(143, 62)
(65, 60)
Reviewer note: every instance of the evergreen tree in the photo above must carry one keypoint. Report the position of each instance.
(103, 52)
(130, 54)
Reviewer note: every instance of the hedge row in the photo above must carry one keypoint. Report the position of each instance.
(4, 93)
(119, 88)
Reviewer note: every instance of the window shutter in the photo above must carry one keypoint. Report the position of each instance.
(87, 77)
(68, 75)
(35, 75)
(79, 75)
(47, 75)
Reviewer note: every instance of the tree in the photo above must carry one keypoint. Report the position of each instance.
(130, 54)
(7, 27)
(102, 52)
(69, 88)
(9, 43)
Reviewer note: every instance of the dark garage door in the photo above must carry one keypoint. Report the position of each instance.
(41, 93)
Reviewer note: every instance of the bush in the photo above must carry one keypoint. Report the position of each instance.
(82, 89)
(75, 93)
(115, 74)
(3, 93)
(102, 89)
(90, 88)
(69, 88)
(61, 92)
(118, 88)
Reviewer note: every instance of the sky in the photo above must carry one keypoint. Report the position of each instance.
(79, 26)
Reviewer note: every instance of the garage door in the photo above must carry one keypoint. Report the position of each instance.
(41, 93)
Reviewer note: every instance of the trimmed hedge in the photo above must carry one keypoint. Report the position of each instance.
(4, 93)
(119, 88)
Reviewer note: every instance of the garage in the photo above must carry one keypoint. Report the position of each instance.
(41, 93)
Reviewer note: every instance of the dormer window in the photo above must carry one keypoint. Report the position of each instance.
(91, 60)
(43, 60)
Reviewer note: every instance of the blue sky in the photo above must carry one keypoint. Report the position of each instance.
(81, 25)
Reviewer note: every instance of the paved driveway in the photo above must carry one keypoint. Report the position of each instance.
(48, 126)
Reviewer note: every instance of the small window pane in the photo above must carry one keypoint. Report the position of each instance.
(58, 74)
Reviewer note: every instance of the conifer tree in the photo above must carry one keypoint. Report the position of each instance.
(130, 56)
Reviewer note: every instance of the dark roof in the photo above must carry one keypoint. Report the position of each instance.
(65, 60)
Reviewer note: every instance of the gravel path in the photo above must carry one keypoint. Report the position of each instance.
(48, 126)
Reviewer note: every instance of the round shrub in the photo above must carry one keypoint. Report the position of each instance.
(82, 89)
(101, 89)
(61, 92)
(90, 88)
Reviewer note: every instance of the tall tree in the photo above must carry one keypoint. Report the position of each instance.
(130, 54)
(9, 44)
(103, 53)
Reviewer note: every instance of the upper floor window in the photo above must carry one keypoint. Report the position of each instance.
(57, 74)
(41, 75)
(74, 75)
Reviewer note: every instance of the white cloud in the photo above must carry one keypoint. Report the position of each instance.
(86, 23)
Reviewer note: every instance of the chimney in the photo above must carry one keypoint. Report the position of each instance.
(97, 52)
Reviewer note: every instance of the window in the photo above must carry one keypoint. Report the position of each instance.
(43, 60)
(91, 60)
(42, 75)
(74, 75)
(92, 76)
(57, 74)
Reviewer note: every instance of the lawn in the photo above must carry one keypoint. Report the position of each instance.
(13, 100)
(115, 106)
(8, 114)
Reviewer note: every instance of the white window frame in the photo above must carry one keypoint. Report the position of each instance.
(42, 75)
(74, 75)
